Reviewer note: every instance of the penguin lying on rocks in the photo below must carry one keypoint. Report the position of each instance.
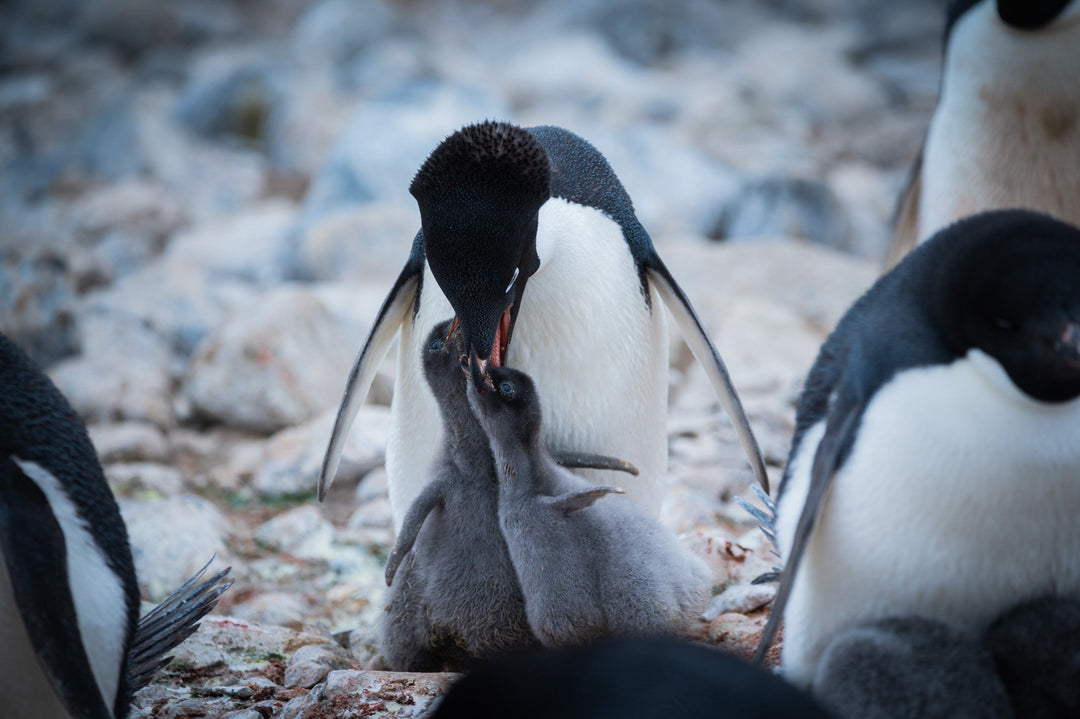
(933, 471)
(503, 208)
(456, 597)
(625, 678)
(71, 644)
(589, 565)
(1005, 132)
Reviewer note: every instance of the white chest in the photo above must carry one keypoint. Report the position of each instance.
(1006, 132)
(959, 500)
(598, 356)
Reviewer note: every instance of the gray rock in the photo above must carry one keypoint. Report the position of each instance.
(143, 208)
(302, 532)
(37, 306)
(129, 442)
(369, 162)
(273, 609)
(275, 363)
(124, 371)
(784, 207)
(108, 144)
(242, 714)
(249, 246)
(741, 598)
(143, 478)
(290, 461)
(310, 664)
(400, 694)
(337, 32)
(367, 242)
(240, 103)
(171, 539)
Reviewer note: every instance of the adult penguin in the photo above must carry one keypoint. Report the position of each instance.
(1006, 131)
(934, 466)
(71, 645)
(503, 208)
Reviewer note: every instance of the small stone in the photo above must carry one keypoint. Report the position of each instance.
(134, 477)
(129, 442)
(302, 532)
(243, 714)
(171, 539)
(741, 598)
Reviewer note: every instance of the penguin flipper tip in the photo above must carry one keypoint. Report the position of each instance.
(391, 315)
(574, 501)
(707, 355)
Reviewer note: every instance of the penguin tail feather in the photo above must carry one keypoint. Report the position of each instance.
(766, 519)
(168, 624)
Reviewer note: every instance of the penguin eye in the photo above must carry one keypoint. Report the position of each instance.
(512, 280)
(506, 389)
(1003, 324)
(436, 345)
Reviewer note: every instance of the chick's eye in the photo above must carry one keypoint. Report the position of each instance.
(1004, 324)
(436, 345)
(506, 389)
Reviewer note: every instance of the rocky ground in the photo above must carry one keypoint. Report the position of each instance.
(204, 202)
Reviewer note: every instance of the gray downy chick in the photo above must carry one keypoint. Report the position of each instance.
(909, 668)
(587, 570)
(455, 597)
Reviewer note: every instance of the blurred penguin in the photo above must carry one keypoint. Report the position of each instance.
(1006, 131)
(71, 645)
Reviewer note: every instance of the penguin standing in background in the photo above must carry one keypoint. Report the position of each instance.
(1006, 131)
(71, 644)
(936, 457)
(589, 566)
(503, 208)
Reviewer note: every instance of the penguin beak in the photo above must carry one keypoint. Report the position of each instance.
(478, 368)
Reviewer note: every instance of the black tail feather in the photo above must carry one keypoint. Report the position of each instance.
(170, 623)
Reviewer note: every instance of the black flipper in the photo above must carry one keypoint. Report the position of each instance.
(586, 460)
(401, 298)
(835, 445)
(573, 501)
(171, 622)
(421, 507)
(696, 338)
(35, 554)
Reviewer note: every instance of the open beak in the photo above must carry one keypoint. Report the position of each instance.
(477, 364)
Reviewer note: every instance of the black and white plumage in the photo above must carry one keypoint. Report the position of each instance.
(590, 565)
(937, 443)
(70, 641)
(910, 668)
(622, 678)
(504, 208)
(454, 596)
(1005, 131)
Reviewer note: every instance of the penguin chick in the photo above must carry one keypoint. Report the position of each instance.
(1005, 131)
(625, 678)
(909, 668)
(70, 641)
(456, 597)
(937, 442)
(586, 570)
(530, 239)
(1037, 649)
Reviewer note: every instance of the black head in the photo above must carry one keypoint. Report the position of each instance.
(479, 195)
(1008, 283)
(1016, 14)
(510, 404)
(445, 362)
